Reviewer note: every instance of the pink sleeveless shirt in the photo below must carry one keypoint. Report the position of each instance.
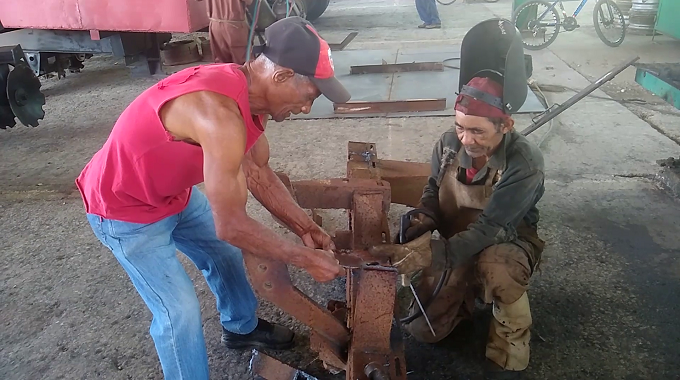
(141, 174)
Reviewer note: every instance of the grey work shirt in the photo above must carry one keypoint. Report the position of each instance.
(513, 199)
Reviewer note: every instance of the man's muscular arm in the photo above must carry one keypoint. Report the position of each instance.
(268, 189)
(214, 122)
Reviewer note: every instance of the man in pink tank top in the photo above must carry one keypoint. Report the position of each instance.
(205, 124)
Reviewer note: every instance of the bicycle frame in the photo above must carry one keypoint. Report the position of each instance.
(552, 6)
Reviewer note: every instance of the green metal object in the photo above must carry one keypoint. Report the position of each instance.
(667, 18)
(521, 22)
(661, 79)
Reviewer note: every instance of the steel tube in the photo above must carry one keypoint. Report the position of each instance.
(553, 112)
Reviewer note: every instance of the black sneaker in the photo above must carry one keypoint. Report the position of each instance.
(265, 335)
(493, 371)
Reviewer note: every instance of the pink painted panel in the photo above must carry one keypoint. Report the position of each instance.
(40, 14)
(114, 15)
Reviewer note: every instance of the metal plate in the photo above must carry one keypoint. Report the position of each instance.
(400, 86)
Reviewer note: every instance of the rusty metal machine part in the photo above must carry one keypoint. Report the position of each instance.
(406, 179)
(180, 52)
(375, 372)
(360, 331)
(344, 43)
(264, 367)
(388, 106)
(391, 68)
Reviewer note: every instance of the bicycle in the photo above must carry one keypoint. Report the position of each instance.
(453, 1)
(523, 14)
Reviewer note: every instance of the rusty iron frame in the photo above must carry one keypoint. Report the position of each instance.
(180, 52)
(392, 68)
(265, 367)
(389, 106)
(342, 45)
(358, 335)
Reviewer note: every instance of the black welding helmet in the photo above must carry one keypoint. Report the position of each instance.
(493, 48)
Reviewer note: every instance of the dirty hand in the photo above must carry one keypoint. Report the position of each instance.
(323, 266)
(315, 237)
(419, 227)
(407, 258)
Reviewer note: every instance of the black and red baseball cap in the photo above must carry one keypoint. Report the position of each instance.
(293, 43)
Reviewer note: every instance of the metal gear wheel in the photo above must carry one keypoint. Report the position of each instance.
(23, 93)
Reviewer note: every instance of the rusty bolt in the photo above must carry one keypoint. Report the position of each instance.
(262, 267)
(267, 285)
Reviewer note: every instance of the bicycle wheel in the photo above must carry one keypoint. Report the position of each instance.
(608, 15)
(446, 2)
(525, 19)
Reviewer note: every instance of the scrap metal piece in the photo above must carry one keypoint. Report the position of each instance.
(369, 218)
(271, 281)
(342, 45)
(373, 296)
(392, 68)
(180, 52)
(336, 193)
(389, 106)
(552, 112)
(265, 367)
(406, 179)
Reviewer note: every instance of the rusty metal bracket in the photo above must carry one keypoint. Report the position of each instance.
(392, 68)
(180, 52)
(342, 45)
(359, 335)
(264, 367)
(406, 179)
(388, 106)
(368, 202)
(376, 340)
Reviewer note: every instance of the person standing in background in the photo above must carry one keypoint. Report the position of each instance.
(427, 10)
(229, 30)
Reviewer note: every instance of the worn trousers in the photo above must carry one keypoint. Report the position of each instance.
(148, 254)
(229, 41)
(500, 275)
(427, 10)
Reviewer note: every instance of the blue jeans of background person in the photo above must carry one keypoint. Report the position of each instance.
(427, 10)
(147, 253)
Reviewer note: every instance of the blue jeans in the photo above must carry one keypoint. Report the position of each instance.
(427, 10)
(147, 252)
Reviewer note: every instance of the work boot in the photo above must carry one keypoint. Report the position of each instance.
(265, 335)
(493, 371)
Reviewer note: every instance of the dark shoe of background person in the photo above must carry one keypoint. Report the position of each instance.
(493, 371)
(265, 335)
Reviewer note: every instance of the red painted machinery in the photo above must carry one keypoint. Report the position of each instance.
(46, 36)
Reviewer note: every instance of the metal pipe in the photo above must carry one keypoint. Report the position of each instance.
(551, 113)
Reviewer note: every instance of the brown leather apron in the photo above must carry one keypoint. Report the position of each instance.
(460, 205)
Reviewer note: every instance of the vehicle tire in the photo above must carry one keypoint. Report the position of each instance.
(315, 8)
(525, 8)
(602, 7)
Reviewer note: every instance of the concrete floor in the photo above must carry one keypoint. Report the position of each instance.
(605, 302)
